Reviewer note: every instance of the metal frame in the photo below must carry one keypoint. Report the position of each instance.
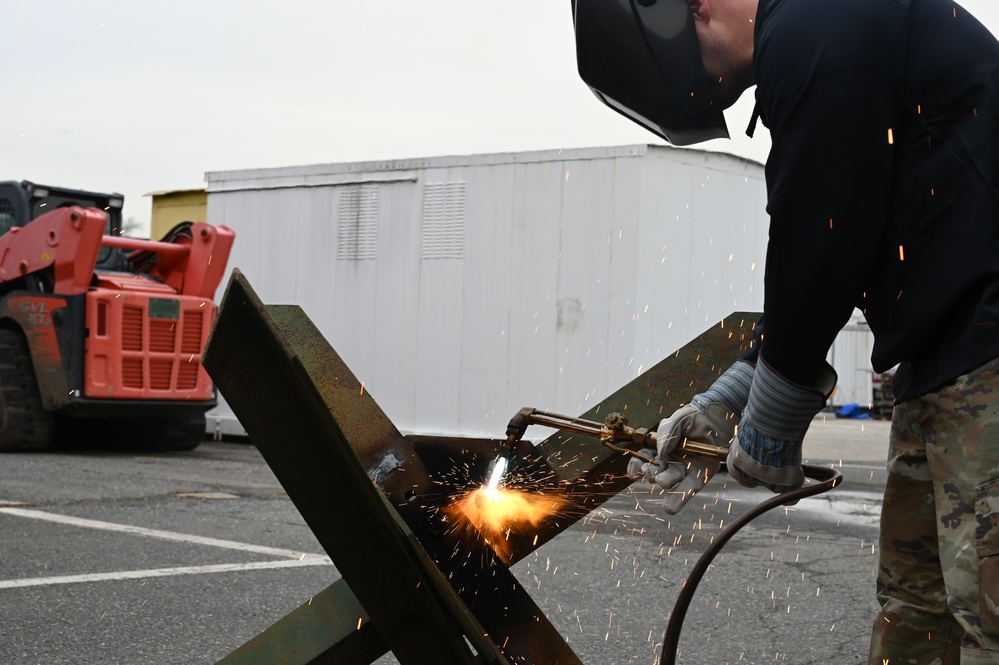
(411, 584)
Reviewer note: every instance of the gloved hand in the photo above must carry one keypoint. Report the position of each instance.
(767, 447)
(710, 417)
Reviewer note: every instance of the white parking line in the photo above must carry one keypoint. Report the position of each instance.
(151, 533)
(311, 560)
(289, 558)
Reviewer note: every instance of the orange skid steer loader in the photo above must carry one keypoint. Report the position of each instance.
(101, 335)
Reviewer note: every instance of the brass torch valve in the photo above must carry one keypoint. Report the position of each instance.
(613, 430)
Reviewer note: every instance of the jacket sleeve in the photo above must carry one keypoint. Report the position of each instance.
(828, 88)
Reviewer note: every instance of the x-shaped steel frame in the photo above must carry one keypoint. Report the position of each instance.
(372, 496)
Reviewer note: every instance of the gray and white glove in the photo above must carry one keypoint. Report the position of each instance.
(710, 417)
(767, 447)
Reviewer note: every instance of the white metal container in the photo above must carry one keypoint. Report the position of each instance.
(850, 356)
(462, 288)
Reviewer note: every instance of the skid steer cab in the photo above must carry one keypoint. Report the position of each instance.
(101, 335)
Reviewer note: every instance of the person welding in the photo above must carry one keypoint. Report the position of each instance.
(883, 195)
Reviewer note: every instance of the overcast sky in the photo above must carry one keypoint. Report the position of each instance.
(135, 96)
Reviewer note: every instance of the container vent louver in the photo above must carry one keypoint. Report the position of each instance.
(443, 220)
(357, 223)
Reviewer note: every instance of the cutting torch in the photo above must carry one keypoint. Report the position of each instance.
(612, 431)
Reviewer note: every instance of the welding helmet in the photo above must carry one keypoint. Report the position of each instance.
(641, 58)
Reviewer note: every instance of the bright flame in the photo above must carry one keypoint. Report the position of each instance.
(499, 469)
(498, 512)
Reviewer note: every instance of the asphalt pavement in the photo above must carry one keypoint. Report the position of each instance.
(858, 448)
(143, 558)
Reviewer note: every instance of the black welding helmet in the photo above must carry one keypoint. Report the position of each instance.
(641, 58)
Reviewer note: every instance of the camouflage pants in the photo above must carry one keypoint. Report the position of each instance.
(938, 578)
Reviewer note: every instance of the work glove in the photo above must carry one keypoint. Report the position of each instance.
(710, 417)
(767, 447)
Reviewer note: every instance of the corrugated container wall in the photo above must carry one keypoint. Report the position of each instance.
(460, 289)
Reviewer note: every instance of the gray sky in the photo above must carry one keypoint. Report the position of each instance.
(135, 96)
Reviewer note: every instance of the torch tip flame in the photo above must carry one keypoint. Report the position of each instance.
(498, 471)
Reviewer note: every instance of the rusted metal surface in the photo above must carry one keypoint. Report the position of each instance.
(423, 584)
(326, 440)
(331, 628)
(265, 366)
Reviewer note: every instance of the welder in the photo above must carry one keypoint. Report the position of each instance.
(883, 195)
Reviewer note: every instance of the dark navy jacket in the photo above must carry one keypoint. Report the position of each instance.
(883, 184)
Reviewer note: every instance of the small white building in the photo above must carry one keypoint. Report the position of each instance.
(462, 288)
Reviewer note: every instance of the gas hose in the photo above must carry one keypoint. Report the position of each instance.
(615, 429)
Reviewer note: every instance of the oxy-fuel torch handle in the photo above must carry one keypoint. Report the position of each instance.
(689, 447)
(613, 429)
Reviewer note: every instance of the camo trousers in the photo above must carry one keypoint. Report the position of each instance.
(938, 574)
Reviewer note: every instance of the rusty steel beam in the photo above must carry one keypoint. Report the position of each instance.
(263, 373)
(312, 419)
(330, 629)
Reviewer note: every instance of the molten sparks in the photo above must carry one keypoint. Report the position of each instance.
(498, 512)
